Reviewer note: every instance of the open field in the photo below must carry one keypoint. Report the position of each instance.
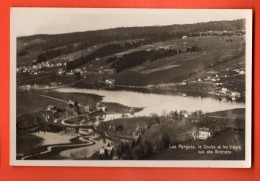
(29, 102)
(188, 63)
(25, 143)
(233, 113)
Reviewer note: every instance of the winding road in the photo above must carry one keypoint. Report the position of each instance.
(83, 136)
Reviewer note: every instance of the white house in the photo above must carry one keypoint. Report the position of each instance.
(218, 83)
(102, 151)
(184, 37)
(184, 113)
(224, 90)
(234, 95)
(204, 133)
(70, 102)
(242, 72)
(51, 108)
(86, 108)
(101, 107)
(110, 81)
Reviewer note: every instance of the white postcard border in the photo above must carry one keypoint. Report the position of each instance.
(130, 163)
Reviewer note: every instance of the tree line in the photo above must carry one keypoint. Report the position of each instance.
(151, 33)
(139, 57)
(101, 52)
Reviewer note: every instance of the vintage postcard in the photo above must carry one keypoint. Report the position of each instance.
(131, 87)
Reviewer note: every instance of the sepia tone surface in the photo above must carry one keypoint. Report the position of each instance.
(158, 92)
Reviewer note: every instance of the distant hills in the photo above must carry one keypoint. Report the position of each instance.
(149, 32)
(137, 56)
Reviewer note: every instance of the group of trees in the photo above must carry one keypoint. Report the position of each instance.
(46, 55)
(116, 47)
(56, 45)
(139, 57)
(22, 53)
(222, 33)
(143, 146)
(193, 49)
(101, 52)
(136, 149)
(152, 34)
(55, 52)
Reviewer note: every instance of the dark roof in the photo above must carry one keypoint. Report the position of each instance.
(203, 129)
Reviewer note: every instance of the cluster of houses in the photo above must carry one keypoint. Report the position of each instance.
(86, 108)
(232, 94)
(39, 86)
(110, 150)
(110, 82)
(219, 81)
(51, 109)
(107, 71)
(240, 71)
(84, 72)
(40, 68)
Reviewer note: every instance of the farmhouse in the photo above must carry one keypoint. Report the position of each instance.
(77, 70)
(102, 151)
(242, 72)
(101, 107)
(87, 108)
(184, 82)
(204, 133)
(110, 81)
(235, 94)
(55, 83)
(224, 90)
(184, 114)
(60, 71)
(51, 108)
(71, 103)
(70, 73)
(184, 37)
(109, 71)
(218, 84)
(26, 87)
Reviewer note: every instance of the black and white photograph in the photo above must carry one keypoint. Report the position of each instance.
(131, 87)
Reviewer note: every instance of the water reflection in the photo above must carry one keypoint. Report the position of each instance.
(87, 151)
(158, 103)
(50, 138)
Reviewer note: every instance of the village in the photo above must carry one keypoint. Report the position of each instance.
(218, 84)
(88, 119)
(134, 97)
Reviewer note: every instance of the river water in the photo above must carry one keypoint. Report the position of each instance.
(158, 103)
(150, 102)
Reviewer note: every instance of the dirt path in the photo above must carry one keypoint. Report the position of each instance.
(54, 98)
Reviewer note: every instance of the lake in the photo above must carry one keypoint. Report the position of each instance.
(158, 103)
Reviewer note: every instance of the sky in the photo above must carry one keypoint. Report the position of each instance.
(30, 21)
